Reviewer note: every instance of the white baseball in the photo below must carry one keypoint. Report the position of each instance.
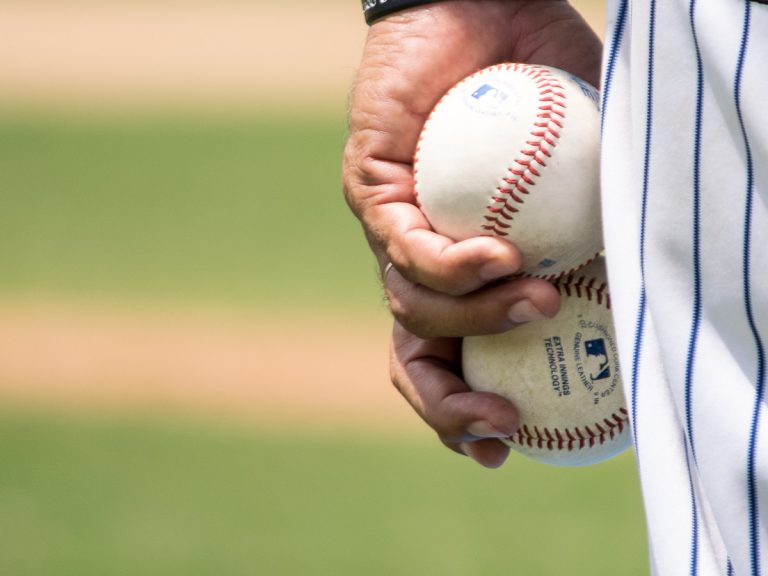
(513, 151)
(561, 374)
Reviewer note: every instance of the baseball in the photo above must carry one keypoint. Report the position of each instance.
(562, 375)
(513, 151)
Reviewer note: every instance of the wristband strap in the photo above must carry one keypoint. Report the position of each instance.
(375, 9)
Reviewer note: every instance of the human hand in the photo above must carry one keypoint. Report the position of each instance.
(439, 287)
(410, 60)
(427, 373)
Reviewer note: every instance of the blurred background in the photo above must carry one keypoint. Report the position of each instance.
(193, 347)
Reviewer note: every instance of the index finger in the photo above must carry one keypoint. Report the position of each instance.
(380, 192)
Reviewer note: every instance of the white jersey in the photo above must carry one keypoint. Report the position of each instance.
(685, 210)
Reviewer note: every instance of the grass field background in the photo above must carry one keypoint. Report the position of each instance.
(92, 495)
(238, 211)
(244, 211)
(176, 211)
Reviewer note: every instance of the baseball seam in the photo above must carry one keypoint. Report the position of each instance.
(561, 275)
(527, 167)
(584, 287)
(532, 159)
(575, 438)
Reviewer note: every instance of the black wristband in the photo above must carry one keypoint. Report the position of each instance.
(375, 9)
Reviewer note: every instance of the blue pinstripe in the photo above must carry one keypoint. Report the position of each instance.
(642, 304)
(694, 558)
(616, 39)
(697, 292)
(638, 346)
(697, 288)
(754, 505)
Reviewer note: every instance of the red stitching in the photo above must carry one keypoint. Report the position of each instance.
(552, 103)
(557, 277)
(551, 93)
(583, 287)
(495, 230)
(571, 439)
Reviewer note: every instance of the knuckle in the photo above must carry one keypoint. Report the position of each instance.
(434, 271)
(409, 310)
(449, 435)
(406, 276)
(359, 178)
(418, 327)
(433, 420)
(398, 255)
(407, 315)
(415, 323)
(395, 378)
(397, 375)
(354, 196)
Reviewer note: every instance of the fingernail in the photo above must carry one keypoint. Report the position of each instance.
(482, 429)
(524, 311)
(496, 269)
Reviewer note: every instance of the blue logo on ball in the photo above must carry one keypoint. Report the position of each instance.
(489, 95)
(596, 350)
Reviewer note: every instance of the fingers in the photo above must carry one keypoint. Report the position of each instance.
(439, 286)
(427, 258)
(488, 453)
(496, 308)
(426, 374)
(408, 64)
(381, 195)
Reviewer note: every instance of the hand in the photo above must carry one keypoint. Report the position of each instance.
(440, 287)
(427, 373)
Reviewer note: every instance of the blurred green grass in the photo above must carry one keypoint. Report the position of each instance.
(152, 496)
(246, 212)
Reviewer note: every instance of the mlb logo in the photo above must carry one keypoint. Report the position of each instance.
(597, 357)
(490, 96)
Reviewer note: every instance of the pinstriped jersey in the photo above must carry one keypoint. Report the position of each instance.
(685, 212)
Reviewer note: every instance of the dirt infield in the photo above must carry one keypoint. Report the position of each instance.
(164, 54)
(288, 370)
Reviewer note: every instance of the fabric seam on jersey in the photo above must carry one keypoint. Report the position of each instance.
(697, 286)
(697, 291)
(642, 304)
(754, 538)
(616, 42)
